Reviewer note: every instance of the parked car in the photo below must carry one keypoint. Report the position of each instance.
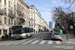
(56, 35)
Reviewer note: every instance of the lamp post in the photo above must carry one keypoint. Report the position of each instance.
(66, 31)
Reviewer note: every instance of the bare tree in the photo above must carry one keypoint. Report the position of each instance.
(71, 2)
(59, 14)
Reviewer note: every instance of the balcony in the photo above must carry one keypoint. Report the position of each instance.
(1, 12)
(11, 15)
(22, 20)
(20, 14)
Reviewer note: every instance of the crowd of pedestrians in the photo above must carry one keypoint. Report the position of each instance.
(6, 36)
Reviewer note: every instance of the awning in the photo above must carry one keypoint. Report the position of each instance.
(22, 20)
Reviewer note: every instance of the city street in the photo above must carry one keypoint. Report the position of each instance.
(40, 41)
(37, 25)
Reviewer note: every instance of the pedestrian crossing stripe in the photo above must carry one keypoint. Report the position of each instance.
(28, 42)
(42, 42)
(50, 42)
(35, 42)
(58, 42)
(11, 43)
(18, 43)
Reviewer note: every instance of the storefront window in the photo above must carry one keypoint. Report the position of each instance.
(4, 31)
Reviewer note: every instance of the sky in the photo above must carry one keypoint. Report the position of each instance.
(45, 7)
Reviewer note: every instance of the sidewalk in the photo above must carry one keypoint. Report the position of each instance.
(71, 38)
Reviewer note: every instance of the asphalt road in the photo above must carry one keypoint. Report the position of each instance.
(39, 41)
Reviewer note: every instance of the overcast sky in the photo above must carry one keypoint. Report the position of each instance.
(46, 6)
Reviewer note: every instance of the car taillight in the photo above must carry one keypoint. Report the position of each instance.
(59, 36)
(19, 34)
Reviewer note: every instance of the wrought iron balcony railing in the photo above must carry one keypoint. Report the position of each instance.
(11, 15)
(1, 11)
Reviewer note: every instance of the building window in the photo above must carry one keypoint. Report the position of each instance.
(0, 0)
(9, 3)
(5, 31)
(14, 22)
(9, 21)
(31, 14)
(20, 12)
(14, 7)
(5, 11)
(5, 2)
(4, 20)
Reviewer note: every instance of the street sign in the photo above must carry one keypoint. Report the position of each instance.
(65, 25)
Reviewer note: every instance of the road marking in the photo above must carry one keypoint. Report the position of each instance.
(50, 42)
(28, 42)
(19, 42)
(10, 43)
(26, 39)
(31, 40)
(5, 43)
(35, 42)
(42, 42)
(58, 42)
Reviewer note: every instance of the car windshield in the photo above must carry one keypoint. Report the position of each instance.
(56, 34)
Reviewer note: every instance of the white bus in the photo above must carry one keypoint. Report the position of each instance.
(21, 32)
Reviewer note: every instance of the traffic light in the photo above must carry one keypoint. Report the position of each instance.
(19, 22)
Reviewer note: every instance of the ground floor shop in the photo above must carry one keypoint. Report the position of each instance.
(3, 30)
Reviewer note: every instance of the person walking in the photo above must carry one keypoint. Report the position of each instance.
(60, 31)
(9, 34)
(6, 36)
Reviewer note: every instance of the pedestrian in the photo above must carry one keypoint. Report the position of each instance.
(2, 37)
(6, 35)
(10, 34)
(60, 31)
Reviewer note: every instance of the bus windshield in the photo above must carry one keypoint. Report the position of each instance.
(16, 29)
(20, 29)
